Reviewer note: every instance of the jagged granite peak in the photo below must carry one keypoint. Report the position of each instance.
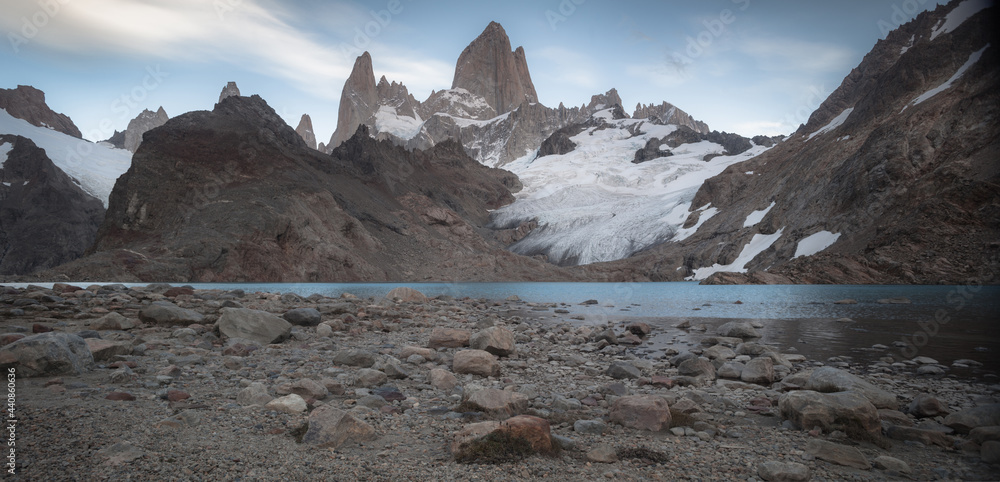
(142, 123)
(28, 103)
(305, 131)
(234, 194)
(46, 219)
(604, 101)
(667, 113)
(358, 101)
(488, 68)
(229, 90)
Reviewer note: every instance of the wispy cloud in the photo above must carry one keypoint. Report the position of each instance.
(786, 54)
(255, 35)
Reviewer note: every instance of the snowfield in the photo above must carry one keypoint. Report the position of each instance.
(815, 243)
(958, 15)
(593, 204)
(95, 167)
(835, 123)
(758, 244)
(5, 149)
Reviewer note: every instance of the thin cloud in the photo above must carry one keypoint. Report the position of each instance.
(786, 54)
(565, 67)
(246, 34)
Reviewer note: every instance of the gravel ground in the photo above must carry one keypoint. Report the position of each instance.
(69, 430)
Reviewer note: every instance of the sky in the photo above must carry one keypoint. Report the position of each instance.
(745, 66)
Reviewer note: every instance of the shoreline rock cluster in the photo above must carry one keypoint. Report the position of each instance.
(177, 383)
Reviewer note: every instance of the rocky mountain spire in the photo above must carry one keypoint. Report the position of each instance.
(358, 100)
(305, 130)
(143, 122)
(229, 90)
(489, 69)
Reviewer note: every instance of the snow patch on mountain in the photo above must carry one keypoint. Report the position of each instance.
(758, 244)
(757, 216)
(594, 204)
(958, 15)
(815, 243)
(5, 149)
(947, 85)
(401, 126)
(95, 167)
(835, 123)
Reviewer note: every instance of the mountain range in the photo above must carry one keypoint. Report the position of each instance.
(893, 179)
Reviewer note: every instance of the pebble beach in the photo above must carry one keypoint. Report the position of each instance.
(173, 383)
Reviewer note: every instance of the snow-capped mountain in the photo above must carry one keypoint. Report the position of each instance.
(492, 107)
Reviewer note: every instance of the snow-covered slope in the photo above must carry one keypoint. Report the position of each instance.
(94, 166)
(594, 204)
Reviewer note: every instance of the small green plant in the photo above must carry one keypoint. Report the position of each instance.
(642, 453)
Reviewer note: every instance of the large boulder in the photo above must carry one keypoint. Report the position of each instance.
(448, 338)
(850, 412)
(831, 380)
(303, 316)
(476, 362)
(968, 419)
(738, 329)
(776, 471)
(758, 370)
(641, 412)
(697, 367)
(330, 427)
(47, 354)
(257, 326)
(255, 394)
(924, 405)
(167, 313)
(107, 350)
(495, 403)
(838, 454)
(495, 339)
(112, 321)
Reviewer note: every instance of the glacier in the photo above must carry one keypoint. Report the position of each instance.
(95, 167)
(594, 204)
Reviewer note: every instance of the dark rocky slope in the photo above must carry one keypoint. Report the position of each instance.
(45, 218)
(235, 195)
(913, 189)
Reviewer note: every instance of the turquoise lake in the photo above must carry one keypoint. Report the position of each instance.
(943, 322)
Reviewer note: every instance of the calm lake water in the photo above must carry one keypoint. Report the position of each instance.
(800, 318)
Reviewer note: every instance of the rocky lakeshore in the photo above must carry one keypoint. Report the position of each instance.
(173, 383)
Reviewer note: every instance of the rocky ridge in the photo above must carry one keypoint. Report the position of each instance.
(46, 219)
(28, 103)
(385, 389)
(243, 198)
